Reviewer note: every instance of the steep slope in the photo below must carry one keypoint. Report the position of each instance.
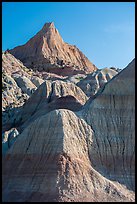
(93, 82)
(47, 51)
(8, 138)
(112, 117)
(49, 96)
(17, 81)
(49, 162)
(17, 86)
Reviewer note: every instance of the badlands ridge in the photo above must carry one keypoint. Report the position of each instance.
(68, 128)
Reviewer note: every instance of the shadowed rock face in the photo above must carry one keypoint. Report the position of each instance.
(112, 117)
(47, 98)
(47, 51)
(93, 82)
(62, 156)
(50, 162)
(65, 102)
(8, 138)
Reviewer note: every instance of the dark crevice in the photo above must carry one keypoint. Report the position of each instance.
(50, 95)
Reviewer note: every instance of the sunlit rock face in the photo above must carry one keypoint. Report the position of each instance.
(17, 87)
(47, 51)
(50, 162)
(61, 142)
(112, 117)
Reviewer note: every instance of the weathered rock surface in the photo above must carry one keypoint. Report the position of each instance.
(14, 94)
(11, 65)
(49, 96)
(112, 117)
(12, 100)
(64, 102)
(18, 84)
(76, 78)
(93, 82)
(58, 155)
(11, 93)
(13, 71)
(36, 81)
(25, 84)
(15, 68)
(116, 69)
(8, 138)
(50, 162)
(47, 51)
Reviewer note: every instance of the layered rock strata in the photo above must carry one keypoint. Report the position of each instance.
(49, 96)
(62, 156)
(16, 89)
(112, 117)
(93, 82)
(8, 139)
(50, 162)
(47, 51)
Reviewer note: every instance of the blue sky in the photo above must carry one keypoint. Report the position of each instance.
(103, 31)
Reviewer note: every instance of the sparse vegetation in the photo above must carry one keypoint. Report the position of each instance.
(79, 78)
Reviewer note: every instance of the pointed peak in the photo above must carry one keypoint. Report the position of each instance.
(48, 26)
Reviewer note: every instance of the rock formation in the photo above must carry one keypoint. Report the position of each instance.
(93, 82)
(49, 96)
(50, 162)
(47, 51)
(60, 144)
(17, 81)
(112, 117)
(25, 84)
(13, 66)
(36, 81)
(16, 88)
(8, 139)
